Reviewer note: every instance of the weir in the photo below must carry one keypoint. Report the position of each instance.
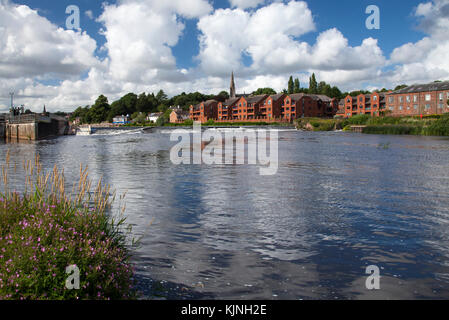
(32, 127)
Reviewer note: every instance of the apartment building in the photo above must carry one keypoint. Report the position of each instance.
(419, 99)
(204, 111)
(370, 104)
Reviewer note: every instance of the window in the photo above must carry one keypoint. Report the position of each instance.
(408, 98)
(391, 108)
(441, 96)
(391, 99)
(415, 98)
(374, 98)
(401, 99)
(415, 107)
(427, 106)
(440, 106)
(269, 102)
(428, 97)
(401, 107)
(361, 99)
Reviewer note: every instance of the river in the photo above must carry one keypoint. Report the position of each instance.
(338, 203)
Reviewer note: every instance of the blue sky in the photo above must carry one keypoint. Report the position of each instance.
(193, 45)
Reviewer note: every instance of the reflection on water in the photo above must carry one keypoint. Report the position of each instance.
(337, 204)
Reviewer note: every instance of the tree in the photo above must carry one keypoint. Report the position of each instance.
(100, 110)
(297, 86)
(161, 97)
(291, 85)
(313, 85)
(262, 91)
(223, 96)
(143, 103)
(402, 86)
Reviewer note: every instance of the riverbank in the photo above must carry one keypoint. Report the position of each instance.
(48, 238)
(434, 125)
(214, 124)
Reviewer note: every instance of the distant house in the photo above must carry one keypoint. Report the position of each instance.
(121, 120)
(178, 115)
(153, 117)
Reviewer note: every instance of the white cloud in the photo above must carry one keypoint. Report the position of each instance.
(275, 49)
(427, 59)
(32, 46)
(89, 14)
(245, 4)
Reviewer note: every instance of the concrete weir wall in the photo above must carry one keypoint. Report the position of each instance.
(2, 130)
(21, 131)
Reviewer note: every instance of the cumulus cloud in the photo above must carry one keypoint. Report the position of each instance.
(427, 59)
(275, 48)
(30, 46)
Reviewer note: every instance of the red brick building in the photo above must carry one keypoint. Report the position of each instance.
(248, 108)
(420, 99)
(207, 110)
(370, 104)
(272, 107)
(225, 109)
(308, 105)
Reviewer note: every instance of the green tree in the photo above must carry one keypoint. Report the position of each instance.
(402, 86)
(161, 97)
(297, 86)
(262, 91)
(291, 85)
(144, 103)
(100, 110)
(313, 85)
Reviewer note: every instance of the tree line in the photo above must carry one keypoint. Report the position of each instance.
(138, 106)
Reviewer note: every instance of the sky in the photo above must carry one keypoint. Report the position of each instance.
(138, 46)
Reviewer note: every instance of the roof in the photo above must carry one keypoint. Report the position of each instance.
(278, 96)
(180, 112)
(156, 114)
(296, 96)
(322, 97)
(256, 99)
(231, 101)
(209, 102)
(434, 86)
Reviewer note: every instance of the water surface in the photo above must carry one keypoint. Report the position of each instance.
(339, 203)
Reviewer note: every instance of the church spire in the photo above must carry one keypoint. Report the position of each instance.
(232, 92)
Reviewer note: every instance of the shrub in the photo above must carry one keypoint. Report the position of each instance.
(360, 119)
(393, 129)
(43, 231)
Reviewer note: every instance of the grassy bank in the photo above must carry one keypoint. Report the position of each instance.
(189, 123)
(44, 230)
(433, 125)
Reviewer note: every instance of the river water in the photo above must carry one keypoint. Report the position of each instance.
(339, 203)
